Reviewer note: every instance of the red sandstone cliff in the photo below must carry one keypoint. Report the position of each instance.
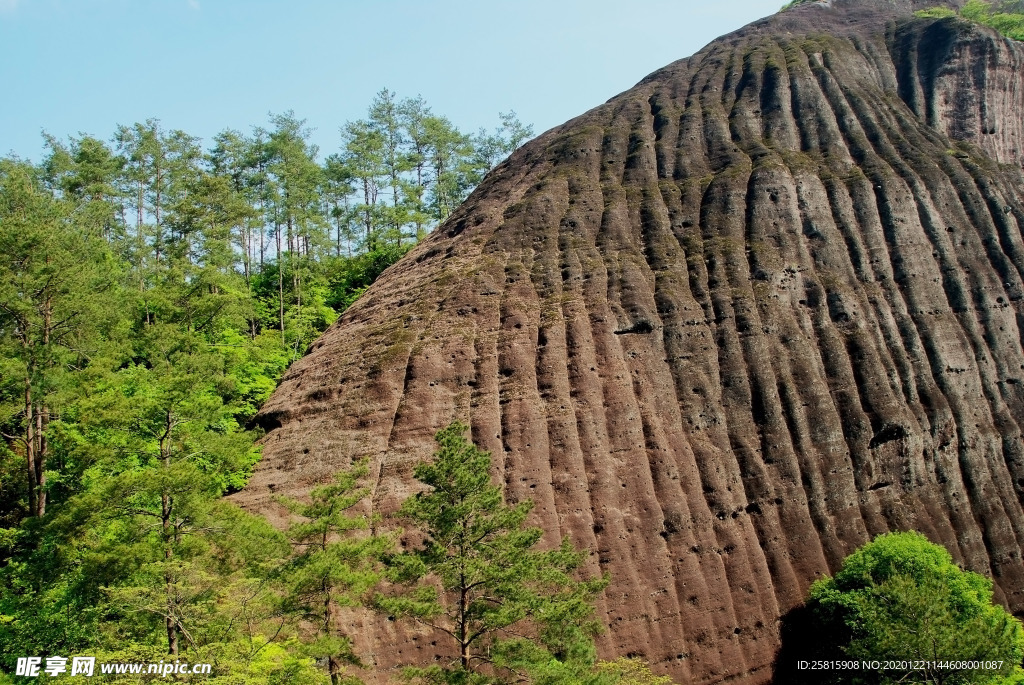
(722, 329)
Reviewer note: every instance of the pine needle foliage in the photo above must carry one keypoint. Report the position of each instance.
(509, 611)
(333, 568)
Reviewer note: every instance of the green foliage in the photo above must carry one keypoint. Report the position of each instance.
(334, 566)
(55, 283)
(936, 13)
(632, 672)
(795, 3)
(151, 296)
(478, 579)
(1004, 17)
(100, 585)
(349, 277)
(901, 597)
(1008, 23)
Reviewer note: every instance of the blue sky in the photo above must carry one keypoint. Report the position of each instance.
(84, 66)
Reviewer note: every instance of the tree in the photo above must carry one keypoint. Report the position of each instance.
(505, 607)
(86, 172)
(176, 450)
(158, 167)
(901, 598)
(231, 160)
(491, 148)
(414, 113)
(449, 158)
(386, 120)
(363, 157)
(52, 283)
(334, 566)
(336, 192)
(298, 179)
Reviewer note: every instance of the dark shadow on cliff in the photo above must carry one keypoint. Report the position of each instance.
(799, 643)
(804, 641)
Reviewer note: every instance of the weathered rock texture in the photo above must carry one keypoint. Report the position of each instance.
(722, 330)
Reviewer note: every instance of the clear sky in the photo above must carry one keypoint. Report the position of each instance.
(84, 66)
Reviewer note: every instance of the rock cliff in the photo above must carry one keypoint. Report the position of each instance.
(722, 329)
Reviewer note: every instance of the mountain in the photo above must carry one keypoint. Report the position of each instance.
(722, 329)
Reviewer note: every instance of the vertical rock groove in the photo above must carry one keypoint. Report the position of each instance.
(721, 330)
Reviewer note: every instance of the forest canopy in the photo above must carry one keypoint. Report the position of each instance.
(152, 292)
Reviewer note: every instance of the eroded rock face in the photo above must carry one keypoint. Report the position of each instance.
(722, 330)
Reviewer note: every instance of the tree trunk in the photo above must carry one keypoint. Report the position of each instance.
(419, 201)
(141, 238)
(337, 226)
(298, 306)
(463, 628)
(169, 622)
(166, 511)
(334, 665)
(280, 279)
(30, 447)
(367, 214)
(41, 420)
(159, 237)
(263, 239)
(293, 251)
(245, 234)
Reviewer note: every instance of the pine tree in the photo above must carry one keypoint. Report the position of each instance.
(53, 281)
(491, 148)
(363, 155)
(449, 155)
(298, 179)
(386, 121)
(334, 566)
(478, 579)
(414, 113)
(175, 449)
(85, 172)
(337, 192)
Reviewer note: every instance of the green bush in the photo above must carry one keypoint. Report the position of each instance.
(1001, 16)
(901, 598)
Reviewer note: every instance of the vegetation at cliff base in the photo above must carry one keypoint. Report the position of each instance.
(901, 599)
(152, 293)
(510, 612)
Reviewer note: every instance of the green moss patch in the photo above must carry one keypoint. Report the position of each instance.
(1005, 17)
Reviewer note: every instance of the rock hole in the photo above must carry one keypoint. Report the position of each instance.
(893, 431)
(643, 326)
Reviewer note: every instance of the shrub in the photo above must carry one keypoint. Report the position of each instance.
(901, 598)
